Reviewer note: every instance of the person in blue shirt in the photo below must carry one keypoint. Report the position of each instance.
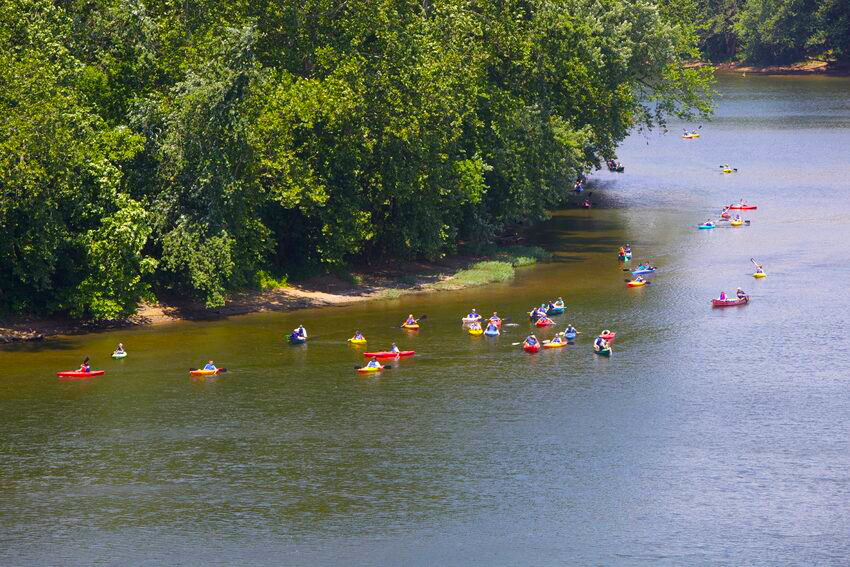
(301, 331)
(85, 366)
(492, 328)
(531, 340)
(394, 349)
(473, 315)
(600, 343)
(373, 363)
(210, 366)
(358, 336)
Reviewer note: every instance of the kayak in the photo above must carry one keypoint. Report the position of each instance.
(557, 310)
(736, 223)
(471, 319)
(410, 327)
(641, 271)
(730, 302)
(634, 283)
(570, 336)
(357, 341)
(297, 339)
(531, 348)
(385, 354)
(544, 322)
(727, 170)
(554, 345)
(725, 215)
(369, 369)
(758, 275)
(202, 372)
(743, 207)
(705, 226)
(475, 332)
(495, 333)
(119, 354)
(608, 336)
(78, 374)
(602, 351)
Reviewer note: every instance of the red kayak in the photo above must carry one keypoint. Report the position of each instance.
(730, 302)
(531, 348)
(743, 207)
(544, 322)
(80, 375)
(608, 336)
(389, 354)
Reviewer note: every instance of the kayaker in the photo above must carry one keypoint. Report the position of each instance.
(373, 363)
(740, 293)
(638, 279)
(722, 296)
(300, 331)
(358, 336)
(85, 366)
(120, 349)
(599, 343)
(210, 366)
(410, 320)
(475, 326)
(495, 319)
(473, 315)
(606, 332)
(559, 302)
(622, 251)
(531, 340)
(570, 330)
(558, 339)
(492, 328)
(628, 249)
(394, 349)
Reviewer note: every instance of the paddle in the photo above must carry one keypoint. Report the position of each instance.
(756, 264)
(220, 370)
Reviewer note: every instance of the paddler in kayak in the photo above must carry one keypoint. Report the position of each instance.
(411, 320)
(210, 366)
(300, 331)
(722, 296)
(558, 339)
(628, 249)
(85, 366)
(120, 349)
(599, 343)
(473, 315)
(570, 330)
(639, 280)
(622, 251)
(373, 363)
(394, 349)
(740, 293)
(358, 336)
(495, 319)
(530, 340)
(491, 327)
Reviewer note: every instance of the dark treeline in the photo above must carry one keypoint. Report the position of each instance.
(193, 146)
(774, 31)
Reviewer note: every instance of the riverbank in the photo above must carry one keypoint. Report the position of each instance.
(810, 67)
(384, 282)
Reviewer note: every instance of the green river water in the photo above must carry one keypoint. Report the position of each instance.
(710, 436)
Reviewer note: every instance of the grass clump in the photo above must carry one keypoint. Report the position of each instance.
(524, 255)
(390, 294)
(479, 274)
(267, 281)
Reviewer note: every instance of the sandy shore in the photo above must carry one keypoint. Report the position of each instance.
(323, 291)
(812, 67)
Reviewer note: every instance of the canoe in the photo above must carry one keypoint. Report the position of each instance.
(386, 354)
(557, 310)
(413, 327)
(119, 354)
(634, 283)
(705, 226)
(531, 348)
(602, 351)
(297, 339)
(570, 336)
(730, 302)
(608, 336)
(736, 223)
(640, 272)
(357, 341)
(743, 207)
(80, 375)
(554, 345)
(471, 319)
(475, 332)
(758, 275)
(369, 369)
(544, 322)
(202, 372)
(495, 333)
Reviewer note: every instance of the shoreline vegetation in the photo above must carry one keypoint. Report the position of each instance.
(808, 67)
(453, 273)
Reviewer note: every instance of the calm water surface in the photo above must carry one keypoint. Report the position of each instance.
(709, 437)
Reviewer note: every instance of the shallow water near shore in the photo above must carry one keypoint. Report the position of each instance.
(714, 436)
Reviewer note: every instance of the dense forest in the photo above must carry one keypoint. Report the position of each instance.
(774, 31)
(193, 147)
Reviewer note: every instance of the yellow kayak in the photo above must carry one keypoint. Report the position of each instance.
(410, 327)
(357, 341)
(554, 345)
(634, 283)
(759, 275)
(475, 332)
(727, 170)
(369, 369)
(736, 223)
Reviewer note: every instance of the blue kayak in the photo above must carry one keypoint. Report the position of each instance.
(555, 311)
(570, 336)
(705, 226)
(643, 271)
(490, 333)
(297, 339)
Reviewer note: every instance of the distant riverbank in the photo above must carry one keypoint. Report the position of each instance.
(810, 67)
(384, 282)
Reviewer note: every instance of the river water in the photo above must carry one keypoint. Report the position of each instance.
(710, 436)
